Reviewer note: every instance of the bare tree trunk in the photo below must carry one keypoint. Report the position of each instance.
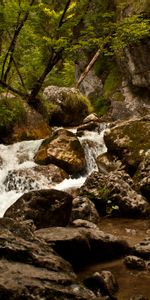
(88, 68)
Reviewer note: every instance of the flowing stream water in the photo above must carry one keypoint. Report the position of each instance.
(17, 162)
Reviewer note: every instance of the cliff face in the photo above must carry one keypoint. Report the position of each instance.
(129, 96)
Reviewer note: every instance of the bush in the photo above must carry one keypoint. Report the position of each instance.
(11, 111)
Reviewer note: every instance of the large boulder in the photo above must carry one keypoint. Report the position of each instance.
(65, 106)
(129, 141)
(24, 180)
(30, 269)
(64, 150)
(45, 207)
(113, 195)
(19, 121)
(81, 246)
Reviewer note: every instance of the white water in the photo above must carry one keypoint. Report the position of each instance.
(17, 165)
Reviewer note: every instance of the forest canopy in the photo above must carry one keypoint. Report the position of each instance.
(38, 38)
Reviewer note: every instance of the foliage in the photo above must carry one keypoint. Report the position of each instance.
(101, 106)
(40, 39)
(11, 111)
(111, 83)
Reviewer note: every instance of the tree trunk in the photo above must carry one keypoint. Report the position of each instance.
(32, 99)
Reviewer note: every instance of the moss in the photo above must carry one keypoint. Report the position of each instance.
(46, 108)
(101, 106)
(76, 100)
(118, 96)
(12, 111)
(112, 82)
(136, 5)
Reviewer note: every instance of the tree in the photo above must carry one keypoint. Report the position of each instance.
(37, 35)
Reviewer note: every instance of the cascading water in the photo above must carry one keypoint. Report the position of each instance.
(18, 172)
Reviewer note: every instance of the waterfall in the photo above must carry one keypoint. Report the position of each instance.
(18, 170)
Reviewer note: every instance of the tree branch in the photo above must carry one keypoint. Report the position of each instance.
(88, 68)
(64, 12)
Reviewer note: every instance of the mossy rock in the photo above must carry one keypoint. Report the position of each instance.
(65, 106)
(18, 121)
(129, 141)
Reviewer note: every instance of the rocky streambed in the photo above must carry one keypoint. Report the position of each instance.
(91, 242)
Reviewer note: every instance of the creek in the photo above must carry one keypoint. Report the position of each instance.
(18, 175)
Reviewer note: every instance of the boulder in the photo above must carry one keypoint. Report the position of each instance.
(81, 246)
(112, 194)
(68, 106)
(83, 208)
(20, 122)
(64, 150)
(142, 179)
(30, 269)
(45, 207)
(103, 282)
(24, 180)
(129, 141)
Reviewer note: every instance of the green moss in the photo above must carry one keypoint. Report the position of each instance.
(118, 96)
(101, 106)
(46, 107)
(112, 82)
(76, 101)
(12, 111)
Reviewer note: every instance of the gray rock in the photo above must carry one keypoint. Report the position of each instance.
(112, 194)
(83, 208)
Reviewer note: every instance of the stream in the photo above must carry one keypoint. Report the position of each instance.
(20, 157)
(18, 173)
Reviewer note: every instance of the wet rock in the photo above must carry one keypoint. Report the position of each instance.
(24, 180)
(84, 223)
(45, 207)
(81, 245)
(142, 249)
(134, 262)
(129, 141)
(107, 162)
(112, 194)
(104, 283)
(64, 150)
(70, 107)
(83, 208)
(30, 269)
(142, 177)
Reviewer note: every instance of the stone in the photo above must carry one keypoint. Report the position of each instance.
(103, 282)
(113, 195)
(24, 180)
(81, 246)
(142, 249)
(134, 262)
(142, 177)
(64, 150)
(70, 107)
(45, 207)
(30, 269)
(83, 208)
(129, 141)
